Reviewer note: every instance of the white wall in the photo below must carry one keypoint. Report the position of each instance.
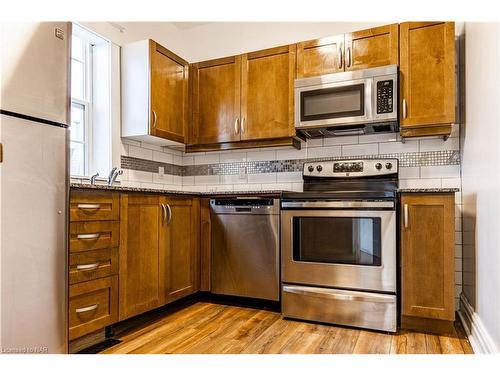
(481, 177)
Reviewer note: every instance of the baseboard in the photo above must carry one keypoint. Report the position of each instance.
(478, 336)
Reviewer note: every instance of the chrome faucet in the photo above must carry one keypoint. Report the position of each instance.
(93, 178)
(113, 174)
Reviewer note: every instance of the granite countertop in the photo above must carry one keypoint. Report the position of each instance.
(178, 192)
(428, 190)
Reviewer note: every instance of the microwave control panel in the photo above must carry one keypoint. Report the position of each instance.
(385, 96)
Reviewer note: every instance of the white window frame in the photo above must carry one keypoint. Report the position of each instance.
(87, 105)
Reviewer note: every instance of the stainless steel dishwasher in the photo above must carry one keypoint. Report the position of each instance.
(245, 247)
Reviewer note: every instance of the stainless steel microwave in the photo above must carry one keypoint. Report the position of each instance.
(347, 103)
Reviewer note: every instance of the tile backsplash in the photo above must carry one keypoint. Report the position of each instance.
(424, 163)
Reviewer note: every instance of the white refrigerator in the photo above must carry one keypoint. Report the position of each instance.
(34, 186)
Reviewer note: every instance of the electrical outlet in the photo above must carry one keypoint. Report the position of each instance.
(161, 172)
(243, 173)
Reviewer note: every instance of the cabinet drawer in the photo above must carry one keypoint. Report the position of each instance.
(94, 205)
(91, 265)
(93, 235)
(92, 305)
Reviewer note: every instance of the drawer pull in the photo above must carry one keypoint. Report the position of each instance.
(89, 206)
(86, 309)
(90, 236)
(87, 267)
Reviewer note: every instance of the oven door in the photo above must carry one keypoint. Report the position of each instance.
(334, 104)
(353, 249)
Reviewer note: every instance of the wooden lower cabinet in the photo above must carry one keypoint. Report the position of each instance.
(427, 261)
(181, 248)
(159, 245)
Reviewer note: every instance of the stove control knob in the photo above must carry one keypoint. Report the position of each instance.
(388, 165)
(310, 168)
(319, 168)
(378, 166)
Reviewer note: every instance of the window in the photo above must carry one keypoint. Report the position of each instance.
(90, 146)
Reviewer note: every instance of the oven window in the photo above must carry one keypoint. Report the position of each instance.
(344, 240)
(334, 102)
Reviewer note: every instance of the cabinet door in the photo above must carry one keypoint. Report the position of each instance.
(180, 247)
(169, 94)
(320, 56)
(427, 73)
(216, 101)
(140, 226)
(427, 256)
(267, 93)
(370, 48)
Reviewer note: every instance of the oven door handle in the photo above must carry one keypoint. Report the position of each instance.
(338, 295)
(338, 204)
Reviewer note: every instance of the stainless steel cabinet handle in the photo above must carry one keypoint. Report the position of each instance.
(242, 125)
(236, 126)
(88, 267)
(405, 216)
(169, 220)
(340, 57)
(348, 57)
(89, 236)
(154, 119)
(89, 206)
(404, 109)
(87, 309)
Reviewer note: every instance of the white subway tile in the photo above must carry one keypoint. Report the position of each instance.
(220, 188)
(289, 177)
(260, 178)
(337, 141)
(458, 251)
(151, 147)
(185, 160)
(194, 188)
(234, 179)
(438, 144)
(458, 224)
(409, 172)
(281, 186)
(129, 141)
(316, 142)
(440, 171)
(163, 157)
(458, 197)
(455, 131)
(124, 149)
(458, 238)
(187, 180)
(458, 277)
(398, 147)
(364, 149)
(206, 180)
(177, 180)
(209, 158)
(373, 138)
(232, 157)
(420, 183)
(261, 155)
(150, 185)
(248, 187)
(131, 184)
(324, 152)
(458, 265)
(296, 186)
(140, 176)
(139, 152)
(165, 179)
(451, 183)
(291, 153)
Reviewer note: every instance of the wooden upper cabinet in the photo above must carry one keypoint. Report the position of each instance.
(140, 229)
(216, 100)
(169, 94)
(427, 256)
(267, 93)
(373, 47)
(427, 75)
(320, 56)
(181, 248)
(154, 88)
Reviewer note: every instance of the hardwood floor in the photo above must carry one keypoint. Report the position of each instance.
(205, 327)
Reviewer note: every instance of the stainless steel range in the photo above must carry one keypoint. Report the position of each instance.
(338, 244)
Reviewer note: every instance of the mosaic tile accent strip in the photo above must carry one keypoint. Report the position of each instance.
(144, 165)
(411, 159)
